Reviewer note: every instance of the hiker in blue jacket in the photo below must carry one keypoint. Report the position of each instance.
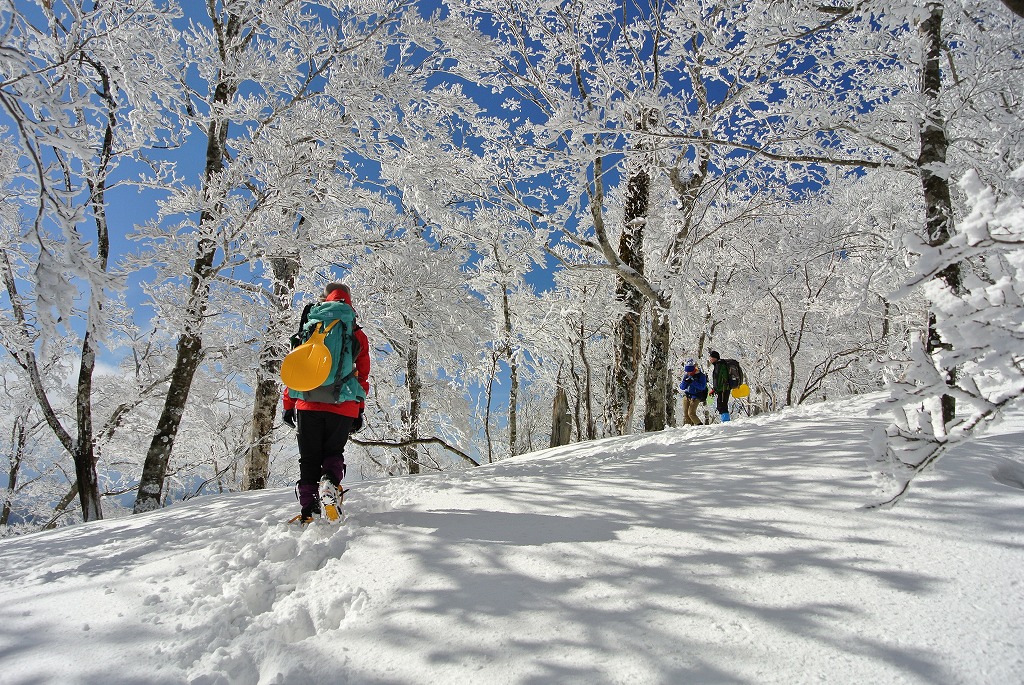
(695, 392)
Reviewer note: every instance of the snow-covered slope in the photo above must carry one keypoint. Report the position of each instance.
(723, 554)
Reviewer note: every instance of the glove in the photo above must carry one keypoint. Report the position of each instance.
(357, 423)
(289, 417)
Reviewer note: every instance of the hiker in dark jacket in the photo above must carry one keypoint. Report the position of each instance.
(720, 386)
(323, 428)
(695, 392)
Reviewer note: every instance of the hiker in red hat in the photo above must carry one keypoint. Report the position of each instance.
(325, 416)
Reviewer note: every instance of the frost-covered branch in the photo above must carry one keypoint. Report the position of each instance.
(416, 441)
(984, 326)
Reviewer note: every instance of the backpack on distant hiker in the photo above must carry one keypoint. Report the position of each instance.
(335, 323)
(735, 372)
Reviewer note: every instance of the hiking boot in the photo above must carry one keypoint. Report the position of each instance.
(306, 516)
(330, 496)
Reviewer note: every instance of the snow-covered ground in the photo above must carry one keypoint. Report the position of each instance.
(724, 554)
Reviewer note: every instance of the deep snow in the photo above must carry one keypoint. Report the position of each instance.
(737, 553)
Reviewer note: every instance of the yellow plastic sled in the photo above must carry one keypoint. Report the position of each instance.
(308, 365)
(741, 391)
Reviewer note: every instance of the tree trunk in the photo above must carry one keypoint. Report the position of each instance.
(85, 451)
(588, 395)
(190, 342)
(658, 377)
(268, 388)
(1015, 6)
(412, 377)
(627, 329)
(82, 446)
(20, 440)
(627, 362)
(513, 411)
(85, 445)
(487, 411)
(934, 180)
(151, 482)
(261, 427)
(577, 404)
(513, 395)
(671, 392)
(561, 419)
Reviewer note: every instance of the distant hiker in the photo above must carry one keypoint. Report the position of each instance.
(695, 392)
(720, 384)
(325, 416)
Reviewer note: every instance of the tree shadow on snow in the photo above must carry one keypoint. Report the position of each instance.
(723, 541)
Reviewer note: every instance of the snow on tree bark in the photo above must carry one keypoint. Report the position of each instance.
(561, 419)
(658, 376)
(935, 176)
(267, 393)
(230, 40)
(513, 363)
(411, 413)
(628, 344)
(1015, 6)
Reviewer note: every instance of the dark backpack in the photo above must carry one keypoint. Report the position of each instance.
(735, 372)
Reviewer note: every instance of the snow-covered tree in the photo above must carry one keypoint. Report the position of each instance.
(614, 98)
(425, 325)
(85, 88)
(972, 62)
(811, 297)
(984, 327)
(264, 69)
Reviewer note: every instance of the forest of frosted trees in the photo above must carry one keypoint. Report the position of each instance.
(530, 199)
